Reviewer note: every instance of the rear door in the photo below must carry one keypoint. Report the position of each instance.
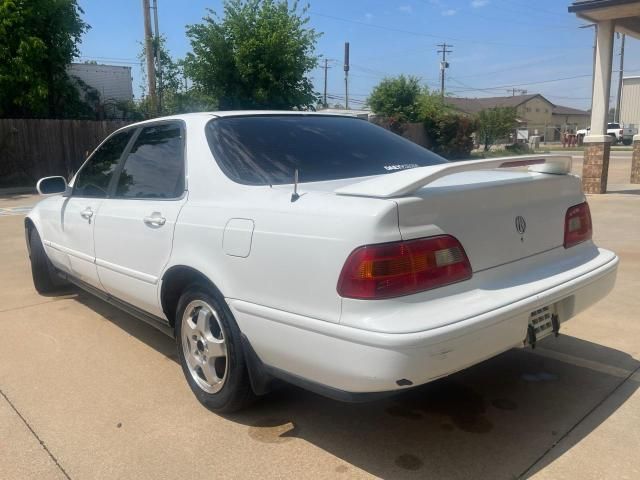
(69, 230)
(134, 231)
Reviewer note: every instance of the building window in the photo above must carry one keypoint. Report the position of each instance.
(537, 110)
(546, 110)
(528, 109)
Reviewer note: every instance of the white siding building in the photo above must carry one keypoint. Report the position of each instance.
(630, 105)
(113, 83)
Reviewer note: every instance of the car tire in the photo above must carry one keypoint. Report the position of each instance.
(45, 279)
(627, 141)
(210, 351)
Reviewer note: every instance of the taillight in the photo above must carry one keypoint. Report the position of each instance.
(577, 225)
(401, 268)
(621, 131)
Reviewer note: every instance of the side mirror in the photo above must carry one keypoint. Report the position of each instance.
(51, 185)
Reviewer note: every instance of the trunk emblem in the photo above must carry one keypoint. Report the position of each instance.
(521, 224)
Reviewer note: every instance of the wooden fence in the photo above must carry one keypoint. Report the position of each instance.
(31, 149)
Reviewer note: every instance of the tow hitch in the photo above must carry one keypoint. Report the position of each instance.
(555, 321)
(531, 336)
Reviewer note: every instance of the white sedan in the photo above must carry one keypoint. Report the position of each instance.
(318, 249)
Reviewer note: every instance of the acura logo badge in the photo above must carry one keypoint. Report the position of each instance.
(521, 224)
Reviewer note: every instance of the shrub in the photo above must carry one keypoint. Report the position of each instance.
(450, 134)
(518, 149)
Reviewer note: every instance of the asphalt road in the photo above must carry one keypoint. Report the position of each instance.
(88, 392)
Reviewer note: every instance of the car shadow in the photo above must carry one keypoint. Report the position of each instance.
(504, 418)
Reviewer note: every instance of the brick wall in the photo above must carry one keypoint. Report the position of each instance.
(596, 167)
(635, 163)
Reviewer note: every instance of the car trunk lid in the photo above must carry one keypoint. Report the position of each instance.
(498, 214)
(499, 217)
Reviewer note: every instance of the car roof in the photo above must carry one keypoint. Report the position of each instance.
(236, 113)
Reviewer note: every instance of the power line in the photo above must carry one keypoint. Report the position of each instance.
(536, 9)
(502, 87)
(511, 19)
(423, 34)
(111, 60)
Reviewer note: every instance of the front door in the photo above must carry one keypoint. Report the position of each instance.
(69, 234)
(134, 230)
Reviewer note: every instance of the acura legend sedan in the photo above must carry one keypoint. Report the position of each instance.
(320, 250)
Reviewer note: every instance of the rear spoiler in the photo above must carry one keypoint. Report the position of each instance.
(405, 182)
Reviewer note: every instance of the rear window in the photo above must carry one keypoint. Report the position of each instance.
(614, 125)
(267, 149)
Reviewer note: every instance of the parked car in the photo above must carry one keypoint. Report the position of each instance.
(619, 132)
(318, 249)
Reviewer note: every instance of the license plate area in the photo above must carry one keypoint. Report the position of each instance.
(541, 321)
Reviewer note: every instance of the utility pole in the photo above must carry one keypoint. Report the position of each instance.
(156, 52)
(326, 67)
(346, 75)
(514, 90)
(619, 104)
(595, 40)
(443, 65)
(148, 42)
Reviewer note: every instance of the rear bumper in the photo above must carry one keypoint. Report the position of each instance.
(350, 361)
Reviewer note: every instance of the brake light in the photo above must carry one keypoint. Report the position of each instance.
(621, 131)
(577, 225)
(401, 268)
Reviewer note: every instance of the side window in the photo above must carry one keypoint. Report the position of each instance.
(93, 180)
(154, 168)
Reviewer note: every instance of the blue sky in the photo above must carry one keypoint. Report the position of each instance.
(498, 44)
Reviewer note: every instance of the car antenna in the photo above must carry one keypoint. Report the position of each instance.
(295, 195)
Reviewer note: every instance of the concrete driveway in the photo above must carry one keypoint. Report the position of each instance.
(88, 392)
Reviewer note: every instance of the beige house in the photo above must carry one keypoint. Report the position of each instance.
(535, 113)
(570, 119)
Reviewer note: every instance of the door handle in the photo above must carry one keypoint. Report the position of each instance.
(155, 220)
(87, 213)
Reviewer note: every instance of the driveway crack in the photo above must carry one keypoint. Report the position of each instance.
(582, 419)
(46, 449)
(22, 307)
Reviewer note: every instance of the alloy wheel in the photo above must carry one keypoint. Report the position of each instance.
(204, 346)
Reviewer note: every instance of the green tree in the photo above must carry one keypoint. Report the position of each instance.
(38, 40)
(397, 98)
(169, 75)
(257, 55)
(176, 97)
(494, 124)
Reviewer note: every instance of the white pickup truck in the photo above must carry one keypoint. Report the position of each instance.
(618, 131)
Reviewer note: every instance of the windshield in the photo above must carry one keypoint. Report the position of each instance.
(267, 149)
